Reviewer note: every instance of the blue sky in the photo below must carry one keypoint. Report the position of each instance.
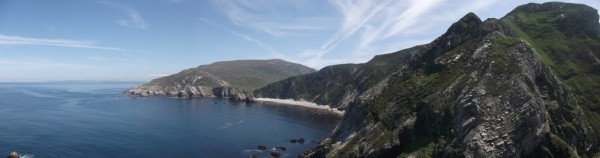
(141, 40)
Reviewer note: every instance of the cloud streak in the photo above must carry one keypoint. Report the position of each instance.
(134, 20)
(16, 40)
(356, 29)
(383, 26)
(261, 44)
(270, 16)
(356, 14)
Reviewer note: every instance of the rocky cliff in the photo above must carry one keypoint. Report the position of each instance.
(337, 85)
(228, 79)
(525, 85)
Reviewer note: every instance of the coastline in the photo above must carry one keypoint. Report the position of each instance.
(301, 103)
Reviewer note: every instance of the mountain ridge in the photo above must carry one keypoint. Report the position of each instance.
(234, 79)
(522, 85)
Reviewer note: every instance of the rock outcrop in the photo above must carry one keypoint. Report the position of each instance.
(228, 79)
(490, 88)
(234, 94)
(13, 154)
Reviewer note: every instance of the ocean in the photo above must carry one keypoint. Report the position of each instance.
(47, 120)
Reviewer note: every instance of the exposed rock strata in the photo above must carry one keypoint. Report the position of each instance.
(234, 94)
(482, 89)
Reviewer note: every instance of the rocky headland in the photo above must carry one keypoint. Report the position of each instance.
(227, 79)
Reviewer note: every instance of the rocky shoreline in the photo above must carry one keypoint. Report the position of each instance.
(233, 94)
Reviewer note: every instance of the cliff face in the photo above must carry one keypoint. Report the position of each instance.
(228, 79)
(337, 85)
(494, 88)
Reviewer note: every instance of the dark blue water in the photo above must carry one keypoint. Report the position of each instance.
(94, 120)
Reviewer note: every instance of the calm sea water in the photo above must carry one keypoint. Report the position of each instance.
(94, 120)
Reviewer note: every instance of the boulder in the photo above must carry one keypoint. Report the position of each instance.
(301, 140)
(13, 154)
(261, 147)
(275, 154)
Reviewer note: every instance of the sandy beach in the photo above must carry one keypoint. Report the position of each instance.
(301, 103)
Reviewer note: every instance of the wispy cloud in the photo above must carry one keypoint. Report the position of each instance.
(356, 14)
(16, 40)
(134, 20)
(363, 27)
(271, 17)
(261, 44)
(384, 26)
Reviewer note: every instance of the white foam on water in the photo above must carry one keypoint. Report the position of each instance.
(27, 156)
(252, 150)
(227, 125)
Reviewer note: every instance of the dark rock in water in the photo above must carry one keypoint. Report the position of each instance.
(281, 148)
(275, 154)
(301, 140)
(13, 154)
(262, 147)
(254, 156)
(293, 140)
(250, 99)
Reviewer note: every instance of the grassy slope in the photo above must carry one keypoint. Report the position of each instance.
(245, 74)
(253, 74)
(563, 47)
(568, 50)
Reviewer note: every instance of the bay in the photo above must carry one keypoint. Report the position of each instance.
(95, 120)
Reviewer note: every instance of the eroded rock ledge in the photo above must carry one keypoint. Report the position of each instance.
(234, 94)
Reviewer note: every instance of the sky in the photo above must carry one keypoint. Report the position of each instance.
(138, 40)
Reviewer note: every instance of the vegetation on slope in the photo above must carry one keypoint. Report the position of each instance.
(525, 85)
(333, 85)
(243, 74)
(567, 38)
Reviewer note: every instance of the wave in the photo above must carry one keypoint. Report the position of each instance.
(27, 156)
(227, 124)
